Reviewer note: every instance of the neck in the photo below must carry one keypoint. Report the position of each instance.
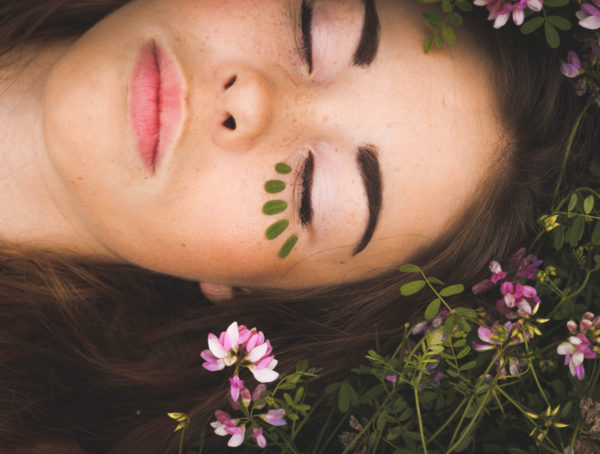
(32, 214)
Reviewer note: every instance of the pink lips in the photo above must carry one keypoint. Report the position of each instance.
(155, 103)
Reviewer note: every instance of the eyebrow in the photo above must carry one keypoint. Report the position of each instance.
(368, 164)
(369, 38)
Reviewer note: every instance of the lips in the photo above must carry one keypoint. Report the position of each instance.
(155, 104)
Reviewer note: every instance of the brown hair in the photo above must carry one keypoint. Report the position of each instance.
(93, 356)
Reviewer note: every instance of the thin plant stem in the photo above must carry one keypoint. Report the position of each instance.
(181, 440)
(448, 421)
(418, 405)
(441, 298)
(366, 427)
(462, 418)
(472, 423)
(563, 167)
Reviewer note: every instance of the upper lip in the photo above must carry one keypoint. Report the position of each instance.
(157, 103)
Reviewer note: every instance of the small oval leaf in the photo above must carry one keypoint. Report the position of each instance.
(559, 237)
(552, 37)
(532, 25)
(469, 365)
(452, 290)
(449, 35)
(283, 168)
(274, 186)
(573, 202)
(576, 231)
(432, 309)
(408, 268)
(412, 287)
(560, 22)
(274, 207)
(287, 246)
(277, 229)
(588, 204)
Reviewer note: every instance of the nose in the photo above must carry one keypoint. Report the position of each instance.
(244, 106)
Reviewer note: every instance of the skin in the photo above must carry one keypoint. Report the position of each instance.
(72, 178)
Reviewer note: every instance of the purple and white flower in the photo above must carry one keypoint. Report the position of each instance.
(500, 11)
(589, 15)
(226, 425)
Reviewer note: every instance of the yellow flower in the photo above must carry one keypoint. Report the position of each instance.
(181, 418)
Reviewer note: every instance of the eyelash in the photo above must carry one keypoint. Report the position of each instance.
(306, 13)
(305, 210)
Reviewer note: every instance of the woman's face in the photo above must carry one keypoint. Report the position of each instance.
(238, 98)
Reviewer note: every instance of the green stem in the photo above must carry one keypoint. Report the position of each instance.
(418, 405)
(515, 404)
(324, 427)
(563, 167)
(448, 421)
(366, 427)
(181, 440)
(307, 417)
(462, 418)
(472, 423)
(537, 382)
(581, 215)
(572, 295)
(436, 292)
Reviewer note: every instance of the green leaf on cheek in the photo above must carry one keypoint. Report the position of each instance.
(274, 186)
(287, 246)
(274, 207)
(280, 167)
(277, 229)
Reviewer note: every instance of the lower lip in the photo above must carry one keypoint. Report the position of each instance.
(155, 104)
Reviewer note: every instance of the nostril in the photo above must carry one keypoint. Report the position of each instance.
(229, 123)
(230, 82)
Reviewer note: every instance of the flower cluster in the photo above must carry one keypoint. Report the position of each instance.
(501, 10)
(226, 425)
(507, 334)
(579, 347)
(518, 299)
(239, 346)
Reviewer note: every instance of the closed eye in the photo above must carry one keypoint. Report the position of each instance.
(305, 210)
(306, 26)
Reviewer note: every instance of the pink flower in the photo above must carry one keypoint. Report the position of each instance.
(258, 435)
(501, 10)
(426, 326)
(275, 417)
(497, 275)
(498, 335)
(237, 436)
(589, 15)
(572, 67)
(238, 344)
(225, 425)
(588, 321)
(257, 394)
(525, 266)
(236, 385)
(222, 350)
(517, 296)
(576, 349)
